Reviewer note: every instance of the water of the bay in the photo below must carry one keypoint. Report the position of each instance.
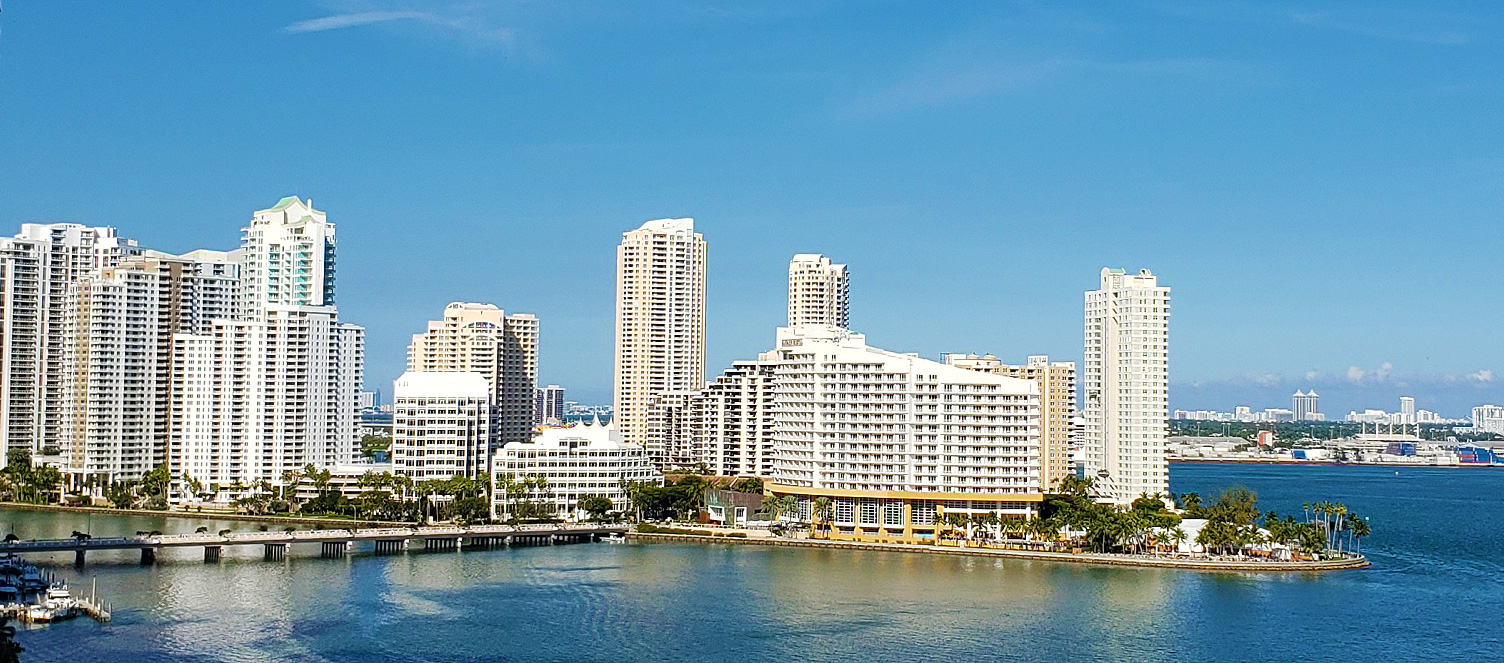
(1433, 593)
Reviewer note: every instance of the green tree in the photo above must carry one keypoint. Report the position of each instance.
(823, 509)
(595, 505)
(154, 485)
(778, 506)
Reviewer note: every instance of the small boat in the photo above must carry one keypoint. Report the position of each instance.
(57, 605)
(615, 538)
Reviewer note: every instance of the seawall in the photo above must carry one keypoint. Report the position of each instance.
(1068, 558)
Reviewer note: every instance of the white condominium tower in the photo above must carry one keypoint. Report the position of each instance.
(548, 405)
(819, 292)
(731, 421)
(481, 338)
(660, 322)
(1305, 406)
(37, 267)
(121, 324)
(1126, 385)
(275, 389)
(289, 257)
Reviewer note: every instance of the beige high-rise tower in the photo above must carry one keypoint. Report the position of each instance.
(818, 292)
(481, 338)
(660, 322)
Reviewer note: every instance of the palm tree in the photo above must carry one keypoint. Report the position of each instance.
(1045, 528)
(778, 506)
(1176, 537)
(823, 510)
(1360, 529)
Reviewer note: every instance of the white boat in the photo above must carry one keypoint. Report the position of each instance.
(615, 538)
(56, 606)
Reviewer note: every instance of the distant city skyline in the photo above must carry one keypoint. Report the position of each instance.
(969, 165)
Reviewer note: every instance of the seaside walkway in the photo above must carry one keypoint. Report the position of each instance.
(333, 542)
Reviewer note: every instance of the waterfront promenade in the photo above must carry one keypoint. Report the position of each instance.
(1100, 559)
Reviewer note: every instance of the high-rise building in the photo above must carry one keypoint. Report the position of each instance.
(670, 420)
(1125, 394)
(1488, 419)
(548, 405)
(660, 323)
(1057, 395)
(37, 268)
(481, 338)
(896, 441)
(120, 363)
(1306, 406)
(289, 257)
(1407, 410)
(275, 388)
(441, 425)
(732, 423)
(819, 292)
(228, 367)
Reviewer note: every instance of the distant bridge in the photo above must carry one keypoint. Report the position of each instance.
(333, 542)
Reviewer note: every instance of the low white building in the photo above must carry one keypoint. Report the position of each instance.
(441, 425)
(574, 461)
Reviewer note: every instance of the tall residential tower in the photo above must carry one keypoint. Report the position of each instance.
(660, 322)
(37, 268)
(1126, 385)
(481, 338)
(819, 292)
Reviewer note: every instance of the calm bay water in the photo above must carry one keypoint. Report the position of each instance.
(1435, 592)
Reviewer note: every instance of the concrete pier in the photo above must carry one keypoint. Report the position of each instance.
(275, 551)
(333, 549)
(212, 553)
(148, 556)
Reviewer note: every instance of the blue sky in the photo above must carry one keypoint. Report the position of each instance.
(1320, 183)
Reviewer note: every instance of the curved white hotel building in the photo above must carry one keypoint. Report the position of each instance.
(896, 441)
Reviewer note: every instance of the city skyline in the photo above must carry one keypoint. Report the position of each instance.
(822, 168)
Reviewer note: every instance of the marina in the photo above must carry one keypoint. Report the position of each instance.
(32, 595)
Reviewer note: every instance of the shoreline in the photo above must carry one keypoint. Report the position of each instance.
(1274, 461)
(1091, 559)
(198, 515)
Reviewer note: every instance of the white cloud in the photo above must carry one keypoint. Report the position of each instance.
(1312, 375)
(351, 20)
(1357, 375)
(473, 28)
(1485, 375)
(1264, 379)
